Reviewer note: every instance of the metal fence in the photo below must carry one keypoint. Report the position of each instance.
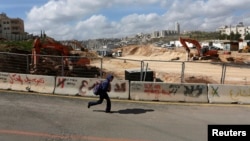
(163, 71)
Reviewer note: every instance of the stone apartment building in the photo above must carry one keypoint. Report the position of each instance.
(12, 28)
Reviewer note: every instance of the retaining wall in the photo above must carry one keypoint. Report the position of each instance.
(23, 82)
(4, 81)
(168, 91)
(80, 86)
(229, 93)
(135, 90)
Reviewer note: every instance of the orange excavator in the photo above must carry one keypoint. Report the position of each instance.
(202, 52)
(44, 48)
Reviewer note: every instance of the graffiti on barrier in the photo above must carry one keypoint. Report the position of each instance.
(3, 77)
(169, 90)
(156, 90)
(136, 86)
(236, 94)
(193, 91)
(83, 89)
(215, 91)
(17, 78)
(35, 81)
(120, 87)
(66, 81)
(174, 89)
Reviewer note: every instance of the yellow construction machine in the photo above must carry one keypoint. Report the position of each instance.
(245, 49)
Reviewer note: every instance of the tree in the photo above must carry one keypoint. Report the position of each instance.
(234, 36)
(247, 37)
(237, 36)
(223, 36)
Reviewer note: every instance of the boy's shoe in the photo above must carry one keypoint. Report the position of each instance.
(108, 112)
(88, 105)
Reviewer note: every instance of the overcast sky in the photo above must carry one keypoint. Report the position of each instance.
(91, 19)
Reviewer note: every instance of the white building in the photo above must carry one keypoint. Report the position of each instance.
(165, 33)
(240, 28)
(177, 28)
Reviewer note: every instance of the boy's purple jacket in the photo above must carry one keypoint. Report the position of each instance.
(106, 83)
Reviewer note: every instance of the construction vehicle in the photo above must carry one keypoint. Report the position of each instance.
(117, 53)
(203, 53)
(245, 49)
(46, 58)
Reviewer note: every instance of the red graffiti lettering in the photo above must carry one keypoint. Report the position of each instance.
(152, 91)
(34, 80)
(148, 86)
(156, 90)
(15, 78)
(120, 88)
(61, 82)
(157, 86)
(165, 92)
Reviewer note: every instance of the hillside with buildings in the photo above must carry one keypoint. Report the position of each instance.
(240, 29)
(151, 45)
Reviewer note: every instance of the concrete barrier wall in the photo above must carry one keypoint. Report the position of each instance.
(4, 81)
(119, 89)
(34, 83)
(168, 91)
(80, 86)
(74, 86)
(184, 92)
(229, 93)
(195, 92)
(40, 83)
(18, 82)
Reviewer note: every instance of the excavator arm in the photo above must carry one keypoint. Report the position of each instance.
(184, 44)
(203, 53)
(194, 42)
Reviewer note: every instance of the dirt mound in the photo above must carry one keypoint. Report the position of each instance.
(235, 57)
(135, 50)
(146, 52)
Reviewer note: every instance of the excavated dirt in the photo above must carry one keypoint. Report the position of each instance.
(150, 52)
(117, 66)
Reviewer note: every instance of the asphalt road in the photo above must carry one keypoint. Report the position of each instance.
(41, 117)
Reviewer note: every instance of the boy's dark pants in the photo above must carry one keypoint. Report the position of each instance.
(101, 98)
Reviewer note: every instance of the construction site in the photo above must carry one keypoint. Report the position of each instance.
(50, 57)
